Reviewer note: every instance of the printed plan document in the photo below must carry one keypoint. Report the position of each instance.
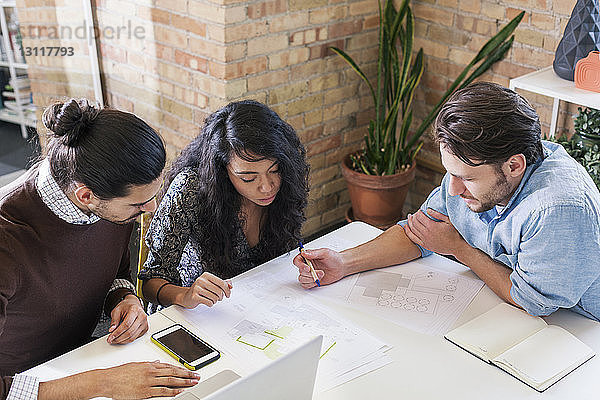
(524, 346)
(269, 314)
(416, 295)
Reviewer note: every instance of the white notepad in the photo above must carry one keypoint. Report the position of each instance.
(526, 347)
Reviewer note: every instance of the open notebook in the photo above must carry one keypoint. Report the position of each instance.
(524, 346)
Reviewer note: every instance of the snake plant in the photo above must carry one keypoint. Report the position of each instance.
(389, 145)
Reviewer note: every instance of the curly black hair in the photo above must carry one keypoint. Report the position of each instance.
(252, 131)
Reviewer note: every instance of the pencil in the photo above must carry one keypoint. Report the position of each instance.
(310, 265)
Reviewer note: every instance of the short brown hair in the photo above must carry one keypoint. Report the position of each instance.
(485, 123)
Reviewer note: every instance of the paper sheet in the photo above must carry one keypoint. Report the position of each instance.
(427, 295)
(269, 314)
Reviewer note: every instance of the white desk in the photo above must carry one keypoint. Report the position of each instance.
(424, 367)
(547, 83)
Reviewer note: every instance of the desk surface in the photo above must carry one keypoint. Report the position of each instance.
(424, 367)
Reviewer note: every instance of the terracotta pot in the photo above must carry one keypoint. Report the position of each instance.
(377, 200)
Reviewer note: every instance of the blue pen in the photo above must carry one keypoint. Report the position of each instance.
(312, 269)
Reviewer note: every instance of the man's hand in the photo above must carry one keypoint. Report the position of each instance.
(136, 380)
(128, 321)
(207, 290)
(141, 380)
(327, 263)
(438, 236)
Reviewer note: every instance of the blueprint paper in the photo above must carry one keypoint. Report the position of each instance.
(414, 295)
(269, 314)
(427, 295)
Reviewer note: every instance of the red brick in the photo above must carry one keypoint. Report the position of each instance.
(190, 61)
(297, 122)
(323, 50)
(113, 53)
(521, 3)
(433, 14)
(188, 24)
(245, 31)
(345, 28)
(355, 135)
(246, 67)
(155, 15)
(513, 12)
(544, 22)
(308, 36)
(322, 16)
(563, 7)
(287, 22)
(120, 103)
(337, 125)
(371, 22)
(363, 7)
(309, 135)
(270, 79)
(170, 37)
(266, 8)
(164, 52)
(470, 6)
(286, 58)
(179, 6)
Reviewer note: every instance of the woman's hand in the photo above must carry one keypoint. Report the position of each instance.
(207, 290)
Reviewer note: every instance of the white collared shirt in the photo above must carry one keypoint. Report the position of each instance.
(57, 201)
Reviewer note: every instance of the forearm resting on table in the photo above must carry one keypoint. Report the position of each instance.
(495, 275)
(390, 248)
(169, 294)
(85, 385)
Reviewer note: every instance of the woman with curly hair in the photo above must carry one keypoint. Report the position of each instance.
(235, 199)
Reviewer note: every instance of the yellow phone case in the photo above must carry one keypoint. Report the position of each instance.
(175, 356)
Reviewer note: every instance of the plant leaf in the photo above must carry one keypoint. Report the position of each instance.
(354, 66)
(491, 45)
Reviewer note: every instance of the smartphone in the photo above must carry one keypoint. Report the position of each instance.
(185, 347)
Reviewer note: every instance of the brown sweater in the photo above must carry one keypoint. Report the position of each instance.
(54, 278)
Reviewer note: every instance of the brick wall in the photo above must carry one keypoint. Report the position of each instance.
(199, 55)
(452, 31)
(192, 56)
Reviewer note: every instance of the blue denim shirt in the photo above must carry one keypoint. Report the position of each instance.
(548, 234)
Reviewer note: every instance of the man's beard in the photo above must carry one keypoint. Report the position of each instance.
(102, 212)
(499, 194)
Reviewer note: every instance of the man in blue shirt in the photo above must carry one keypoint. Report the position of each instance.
(518, 211)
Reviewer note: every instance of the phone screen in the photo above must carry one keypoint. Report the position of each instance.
(185, 345)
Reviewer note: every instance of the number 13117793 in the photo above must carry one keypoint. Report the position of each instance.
(51, 51)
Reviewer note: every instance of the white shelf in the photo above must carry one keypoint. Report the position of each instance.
(4, 63)
(18, 117)
(8, 116)
(547, 83)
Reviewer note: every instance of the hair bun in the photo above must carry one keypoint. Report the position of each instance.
(69, 120)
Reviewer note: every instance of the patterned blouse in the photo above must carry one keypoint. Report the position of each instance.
(175, 254)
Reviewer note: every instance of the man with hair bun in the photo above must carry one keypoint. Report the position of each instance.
(65, 227)
(517, 210)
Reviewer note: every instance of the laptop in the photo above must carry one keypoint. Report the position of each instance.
(290, 377)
